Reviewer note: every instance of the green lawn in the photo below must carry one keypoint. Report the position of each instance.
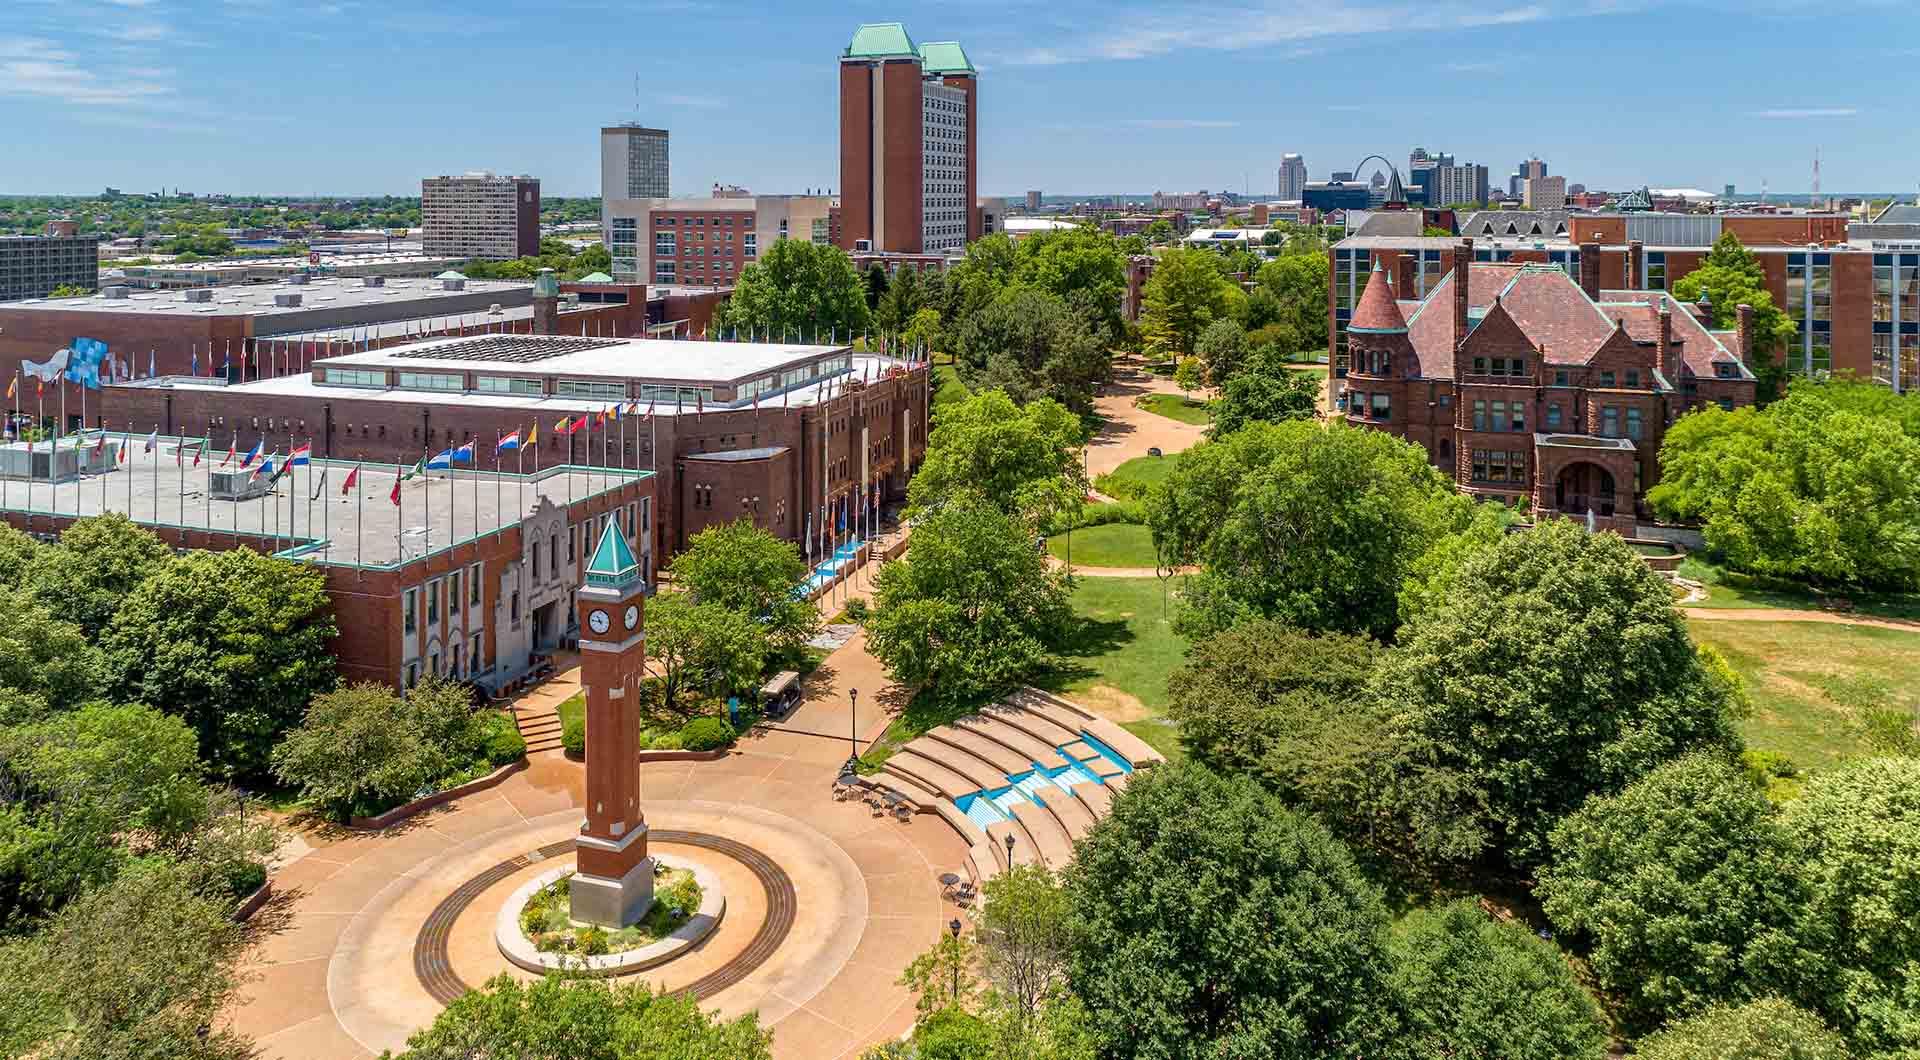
(1176, 407)
(1111, 545)
(1130, 481)
(1727, 588)
(1811, 682)
(573, 707)
(1119, 663)
(947, 387)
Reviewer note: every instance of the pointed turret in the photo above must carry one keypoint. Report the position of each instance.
(1378, 313)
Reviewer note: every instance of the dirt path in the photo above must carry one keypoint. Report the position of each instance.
(1130, 430)
(1782, 614)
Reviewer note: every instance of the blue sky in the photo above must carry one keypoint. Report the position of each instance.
(356, 97)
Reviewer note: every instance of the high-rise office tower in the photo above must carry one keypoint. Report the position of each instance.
(1293, 177)
(633, 165)
(480, 215)
(909, 123)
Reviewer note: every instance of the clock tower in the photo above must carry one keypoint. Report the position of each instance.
(614, 884)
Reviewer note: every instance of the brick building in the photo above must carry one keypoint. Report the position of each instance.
(789, 436)
(1527, 385)
(909, 143)
(480, 215)
(470, 575)
(708, 241)
(32, 266)
(1855, 299)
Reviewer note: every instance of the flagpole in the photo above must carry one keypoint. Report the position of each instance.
(53, 454)
(359, 510)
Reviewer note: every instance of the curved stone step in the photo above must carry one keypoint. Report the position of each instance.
(930, 774)
(1013, 737)
(1130, 747)
(1118, 782)
(1069, 810)
(1025, 852)
(1047, 732)
(1097, 798)
(1056, 847)
(992, 752)
(919, 795)
(959, 760)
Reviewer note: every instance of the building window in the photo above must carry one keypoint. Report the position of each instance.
(413, 674)
(1633, 424)
(665, 244)
(1606, 379)
(431, 381)
(433, 602)
(1479, 366)
(455, 602)
(535, 551)
(1610, 422)
(1479, 415)
(409, 610)
(586, 388)
(473, 585)
(1726, 404)
(749, 243)
(1446, 449)
(573, 534)
(354, 377)
(1559, 378)
(502, 384)
(1499, 421)
(663, 272)
(474, 667)
(1633, 379)
(1519, 416)
(1382, 408)
(1553, 417)
(513, 609)
(1479, 472)
(1725, 370)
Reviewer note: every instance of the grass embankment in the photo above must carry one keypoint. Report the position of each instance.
(1727, 588)
(1177, 407)
(1813, 683)
(1131, 480)
(1118, 662)
(947, 387)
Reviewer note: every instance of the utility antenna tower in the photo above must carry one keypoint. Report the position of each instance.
(1816, 176)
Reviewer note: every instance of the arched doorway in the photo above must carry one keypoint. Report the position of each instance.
(1584, 487)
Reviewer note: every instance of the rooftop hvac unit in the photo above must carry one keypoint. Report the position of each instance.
(197, 294)
(373, 281)
(453, 285)
(117, 292)
(236, 484)
(287, 299)
(494, 310)
(299, 278)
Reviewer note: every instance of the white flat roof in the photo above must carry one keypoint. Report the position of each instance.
(671, 360)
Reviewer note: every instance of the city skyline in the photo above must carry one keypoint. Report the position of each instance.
(232, 98)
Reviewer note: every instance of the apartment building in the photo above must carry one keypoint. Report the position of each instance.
(480, 215)
(32, 266)
(909, 125)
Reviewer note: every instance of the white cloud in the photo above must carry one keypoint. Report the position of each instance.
(64, 80)
(1788, 113)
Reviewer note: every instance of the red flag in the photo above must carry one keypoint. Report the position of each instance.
(395, 495)
(101, 445)
(578, 424)
(353, 477)
(197, 450)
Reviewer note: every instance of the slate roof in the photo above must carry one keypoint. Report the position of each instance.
(1700, 346)
(1899, 213)
(1378, 313)
(1543, 223)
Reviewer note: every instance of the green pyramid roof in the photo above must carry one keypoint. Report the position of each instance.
(945, 57)
(613, 564)
(595, 277)
(450, 274)
(880, 40)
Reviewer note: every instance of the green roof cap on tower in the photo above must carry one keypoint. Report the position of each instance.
(595, 277)
(945, 57)
(880, 40)
(450, 274)
(613, 564)
(546, 284)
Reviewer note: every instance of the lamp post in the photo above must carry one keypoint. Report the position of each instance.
(1009, 851)
(954, 927)
(853, 731)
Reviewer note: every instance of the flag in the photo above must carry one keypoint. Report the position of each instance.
(252, 454)
(440, 460)
(416, 469)
(195, 370)
(13, 387)
(353, 477)
(700, 402)
(120, 452)
(533, 435)
(511, 441)
(198, 449)
(150, 369)
(153, 439)
(302, 456)
(464, 454)
(649, 409)
(395, 495)
(232, 449)
(101, 445)
(562, 427)
(580, 424)
(265, 466)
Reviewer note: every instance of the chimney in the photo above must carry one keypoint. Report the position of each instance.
(1744, 332)
(1590, 269)
(1664, 360)
(1635, 251)
(1462, 266)
(546, 303)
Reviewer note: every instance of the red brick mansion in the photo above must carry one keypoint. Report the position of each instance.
(1533, 388)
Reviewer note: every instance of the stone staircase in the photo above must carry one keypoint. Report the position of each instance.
(981, 751)
(539, 725)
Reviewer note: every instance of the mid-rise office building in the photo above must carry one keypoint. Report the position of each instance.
(33, 266)
(710, 241)
(1033, 201)
(633, 166)
(480, 215)
(1450, 184)
(909, 124)
(1544, 193)
(1293, 178)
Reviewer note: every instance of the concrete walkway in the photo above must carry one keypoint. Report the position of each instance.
(332, 973)
(1130, 430)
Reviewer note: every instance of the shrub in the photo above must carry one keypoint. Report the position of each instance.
(593, 941)
(500, 740)
(573, 733)
(857, 610)
(668, 741)
(952, 1034)
(706, 734)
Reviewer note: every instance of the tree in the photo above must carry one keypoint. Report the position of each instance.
(899, 301)
(979, 278)
(1681, 885)
(944, 978)
(1158, 232)
(19, 554)
(796, 288)
(1222, 347)
(1767, 1029)
(98, 562)
(698, 645)
(1208, 920)
(1265, 391)
(1853, 834)
(1083, 266)
(1731, 275)
(1189, 377)
(52, 663)
(362, 750)
(952, 1034)
(234, 642)
(1298, 279)
(876, 281)
(972, 608)
(1474, 986)
(743, 568)
(1030, 344)
(1185, 293)
(1559, 669)
(1358, 507)
(141, 967)
(1026, 460)
(565, 1018)
(1023, 941)
(1820, 486)
(923, 332)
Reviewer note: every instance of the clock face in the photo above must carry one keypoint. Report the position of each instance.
(599, 621)
(633, 615)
